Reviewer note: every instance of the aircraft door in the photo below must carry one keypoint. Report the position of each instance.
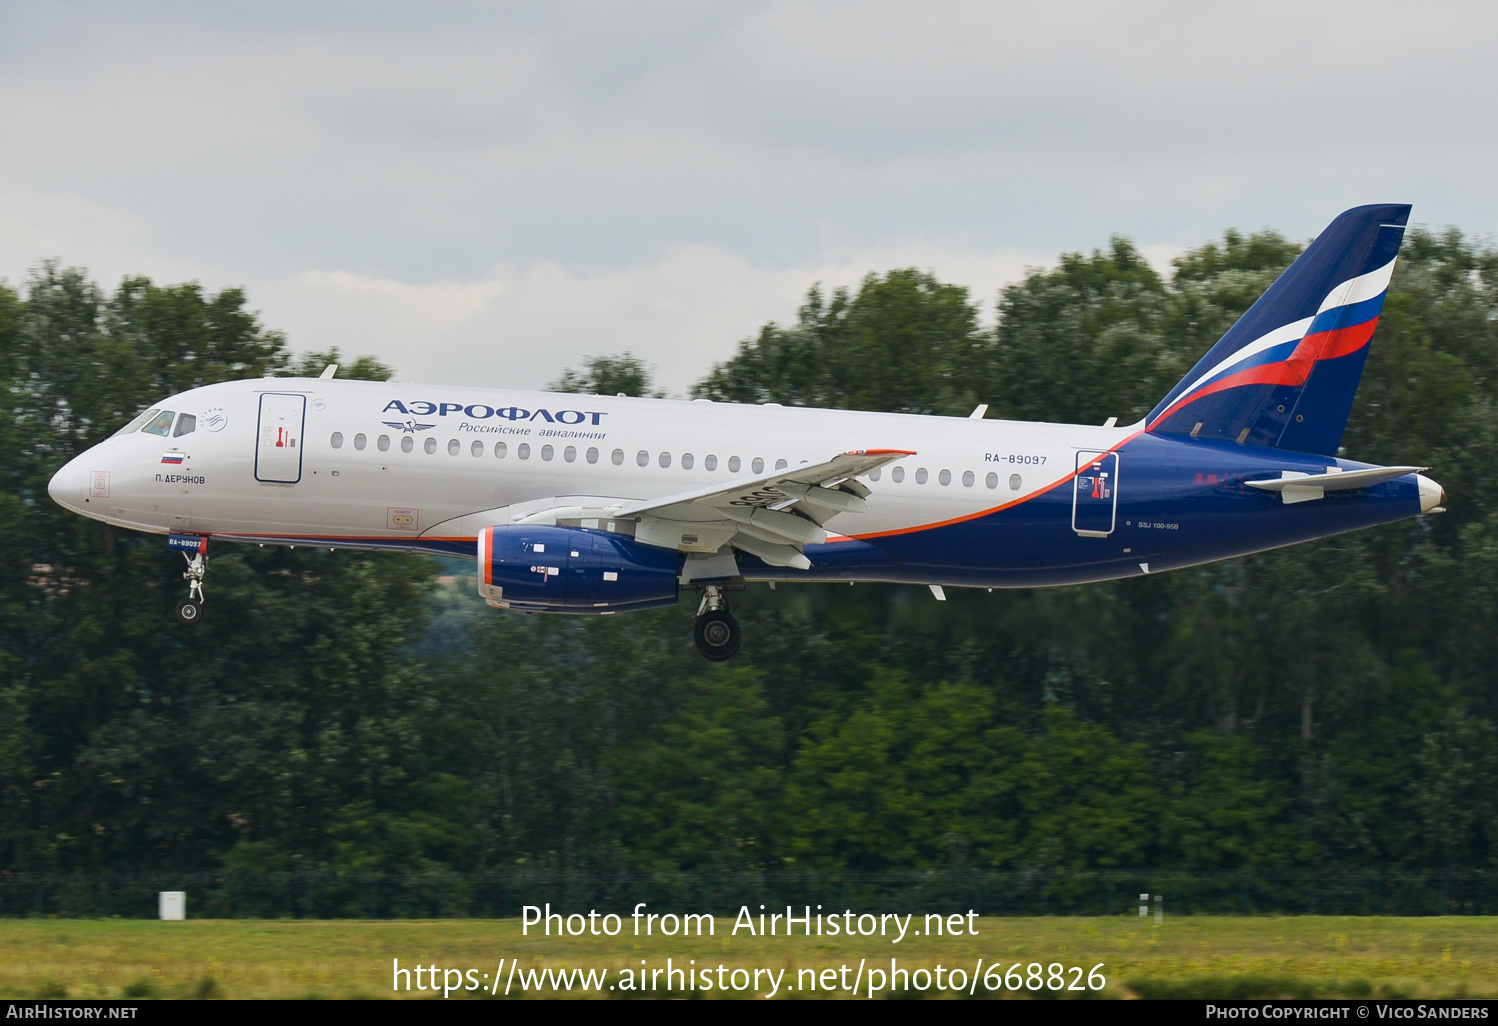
(278, 440)
(1094, 509)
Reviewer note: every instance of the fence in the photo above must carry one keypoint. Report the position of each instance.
(327, 895)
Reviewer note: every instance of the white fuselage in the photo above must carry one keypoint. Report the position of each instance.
(452, 465)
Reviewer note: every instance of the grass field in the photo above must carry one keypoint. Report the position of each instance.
(1192, 956)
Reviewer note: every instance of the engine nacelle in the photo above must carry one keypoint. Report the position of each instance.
(573, 570)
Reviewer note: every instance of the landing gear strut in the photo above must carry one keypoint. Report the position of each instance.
(717, 631)
(190, 609)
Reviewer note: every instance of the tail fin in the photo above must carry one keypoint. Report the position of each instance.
(1285, 373)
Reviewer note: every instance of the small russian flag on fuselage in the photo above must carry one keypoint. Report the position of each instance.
(173, 458)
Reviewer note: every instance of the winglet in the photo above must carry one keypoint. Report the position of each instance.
(328, 372)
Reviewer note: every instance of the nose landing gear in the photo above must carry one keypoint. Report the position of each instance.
(717, 630)
(190, 609)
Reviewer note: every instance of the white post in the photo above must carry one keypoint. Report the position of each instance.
(1144, 906)
(172, 904)
(1159, 909)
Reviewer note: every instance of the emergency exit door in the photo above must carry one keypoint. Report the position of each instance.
(1094, 506)
(278, 439)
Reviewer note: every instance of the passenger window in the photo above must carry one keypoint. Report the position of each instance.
(570, 453)
(161, 424)
(430, 445)
(734, 464)
(921, 476)
(665, 460)
(406, 443)
(454, 446)
(710, 462)
(686, 461)
(137, 421)
(992, 480)
(618, 457)
(945, 477)
(897, 475)
(1014, 482)
(499, 450)
(874, 474)
(968, 479)
(758, 466)
(523, 450)
(592, 455)
(642, 458)
(337, 440)
(781, 464)
(547, 452)
(477, 448)
(383, 443)
(360, 441)
(186, 425)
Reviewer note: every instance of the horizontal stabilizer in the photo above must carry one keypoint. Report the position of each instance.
(1295, 486)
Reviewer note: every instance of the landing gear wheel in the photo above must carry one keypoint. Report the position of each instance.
(190, 609)
(717, 635)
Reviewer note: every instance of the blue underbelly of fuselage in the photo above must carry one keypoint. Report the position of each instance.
(1179, 503)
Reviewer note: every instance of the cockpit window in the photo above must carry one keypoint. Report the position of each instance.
(161, 424)
(140, 418)
(186, 425)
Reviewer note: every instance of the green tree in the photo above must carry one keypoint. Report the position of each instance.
(702, 796)
(625, 374)
(312, 365)
(905, 343)
(1329, 705)
(129, 742)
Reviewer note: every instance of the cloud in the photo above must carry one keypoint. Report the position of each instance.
(502, 188)
(41, 224)
(520, 327)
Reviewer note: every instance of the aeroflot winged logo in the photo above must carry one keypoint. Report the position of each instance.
(409, 426)
(479, 411)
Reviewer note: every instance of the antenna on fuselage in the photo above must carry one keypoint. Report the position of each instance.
(328, 372)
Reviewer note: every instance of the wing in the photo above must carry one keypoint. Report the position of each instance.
(770, 515)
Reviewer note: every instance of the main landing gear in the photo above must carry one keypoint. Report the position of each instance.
(717, 632)
(190, 609)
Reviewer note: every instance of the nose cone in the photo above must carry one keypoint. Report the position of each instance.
(68, 486)
(1432, 495)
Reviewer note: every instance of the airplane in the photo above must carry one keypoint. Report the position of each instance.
(588, 504)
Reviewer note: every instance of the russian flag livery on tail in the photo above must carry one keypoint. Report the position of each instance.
(596, 505)
(1285, 374)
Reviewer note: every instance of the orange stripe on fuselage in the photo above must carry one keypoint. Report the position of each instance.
(983, 513)
(851, 537)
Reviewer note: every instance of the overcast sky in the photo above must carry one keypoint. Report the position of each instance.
(486, 193)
